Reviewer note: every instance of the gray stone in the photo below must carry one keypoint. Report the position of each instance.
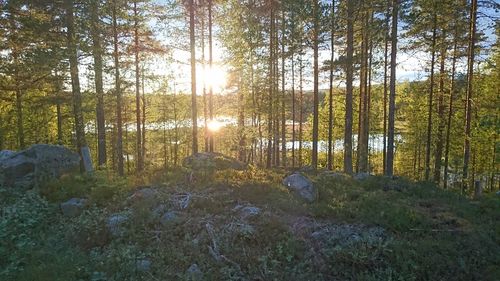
(498, 193)
(247, 212)
(144, 193)
(6, 154)
(73, 207)
(115, 224)
(194, 273)
(301, 186)
(212, 161)
(38, 164)
(361, 176)
(169, 218)
(143, 265)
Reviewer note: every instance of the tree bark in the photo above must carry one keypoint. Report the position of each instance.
(81, 143)
(194, 112)
(392, 93)
(314, 156)
(470, 79)
(441, 122)
(119, 125)
(349, 89)
(331, 148)
(431, 94)
(98, 65)
(140, 163)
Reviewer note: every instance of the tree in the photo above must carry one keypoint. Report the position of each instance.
(468, 100)
(314, 157)
(192, 43)
(349, 88)
(118, 90)
(392, 95)
(81, 143)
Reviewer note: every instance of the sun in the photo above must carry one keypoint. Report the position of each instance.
(215, 77)
(214, 126)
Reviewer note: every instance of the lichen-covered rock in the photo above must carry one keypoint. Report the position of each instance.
(143, 265)
(73, 207)
(36, 165)
(194, 273)
(6, 154)
(301, 186)
(143, 193)
(115, 224)
(361, 176)
(212, 161)
(169, 218)
(246, 212)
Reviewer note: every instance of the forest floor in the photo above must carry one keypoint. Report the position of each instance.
(245, 225)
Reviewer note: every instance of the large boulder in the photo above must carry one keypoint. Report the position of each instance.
(37, 164)
(301, 186)
(212, 161)
(73, 207)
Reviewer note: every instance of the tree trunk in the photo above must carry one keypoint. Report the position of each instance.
(450, 109)
(386, 51)
(210, 61)
(470, 79)
(194, 112)
(271, 89)
(86, 162)
(349, 89)
(431, 93)
(283, 109)
(301, 108)
(331, 148)
(392, 86)
(118, 92)
(441, 122)
(314, 156)
(140, 163)
(98, 65)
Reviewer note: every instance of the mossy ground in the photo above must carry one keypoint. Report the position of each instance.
(429, 233)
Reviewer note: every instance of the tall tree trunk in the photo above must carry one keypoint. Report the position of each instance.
(86, 162)
(210, 61)
(314, 156)
(98, 65)
(271, 90)
(118, 92)
(431, 94)
(283, 109)
(386, 51)
(363, 101)
(450, 109)
(331, 148)
(241, 124)
(392, 86)
(441, 122)
(349, 89)
(140, 163)
(301, 107)
(194, 112)
(143, 118)
(203, 66)
(293, 106)
(470, 79)
(19, 115)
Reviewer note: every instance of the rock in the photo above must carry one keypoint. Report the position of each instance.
(212, 161)
(38, 164)
(193, 273)
(73, 207)
(143, 265)
(169, 218)
(346, 235)
(115, 224)
(361, 176)
(498, 193)
(246, 212)
(159, 210)
(6, 154)
(302, 186)
(144, 193)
